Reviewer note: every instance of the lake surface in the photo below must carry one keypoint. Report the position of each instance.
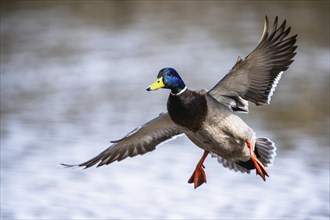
(73, 77)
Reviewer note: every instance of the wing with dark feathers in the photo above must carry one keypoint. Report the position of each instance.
(141, 140)
(255, 78)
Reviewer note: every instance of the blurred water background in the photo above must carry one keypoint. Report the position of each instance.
(73, 77)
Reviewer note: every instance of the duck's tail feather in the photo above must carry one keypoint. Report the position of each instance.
(265, 150)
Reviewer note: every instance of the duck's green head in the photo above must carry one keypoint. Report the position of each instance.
(168, 78)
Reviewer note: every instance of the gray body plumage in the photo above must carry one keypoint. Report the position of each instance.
(223, 133)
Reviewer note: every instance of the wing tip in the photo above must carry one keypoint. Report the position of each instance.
(68, 165)
(265, 30)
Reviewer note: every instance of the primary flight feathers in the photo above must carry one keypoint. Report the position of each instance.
(255, 78)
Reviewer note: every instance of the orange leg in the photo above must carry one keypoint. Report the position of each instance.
(260, 169)
(198, 177)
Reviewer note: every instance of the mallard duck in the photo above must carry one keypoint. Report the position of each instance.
(208, 118)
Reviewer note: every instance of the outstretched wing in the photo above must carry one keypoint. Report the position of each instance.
(255, 78)
(141, 140)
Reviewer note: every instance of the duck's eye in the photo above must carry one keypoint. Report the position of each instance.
(158, 81)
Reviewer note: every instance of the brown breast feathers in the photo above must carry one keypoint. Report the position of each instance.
(188, 109)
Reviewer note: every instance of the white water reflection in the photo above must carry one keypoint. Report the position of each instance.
(73, 77)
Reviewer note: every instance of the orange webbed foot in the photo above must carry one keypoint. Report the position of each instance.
(199, 177)
(260, 168)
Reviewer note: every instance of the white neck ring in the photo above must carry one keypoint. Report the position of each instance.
(182, 91)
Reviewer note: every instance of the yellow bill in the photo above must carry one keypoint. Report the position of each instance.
(158, 84)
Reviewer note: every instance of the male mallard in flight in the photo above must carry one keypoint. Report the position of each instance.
(208, 118)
